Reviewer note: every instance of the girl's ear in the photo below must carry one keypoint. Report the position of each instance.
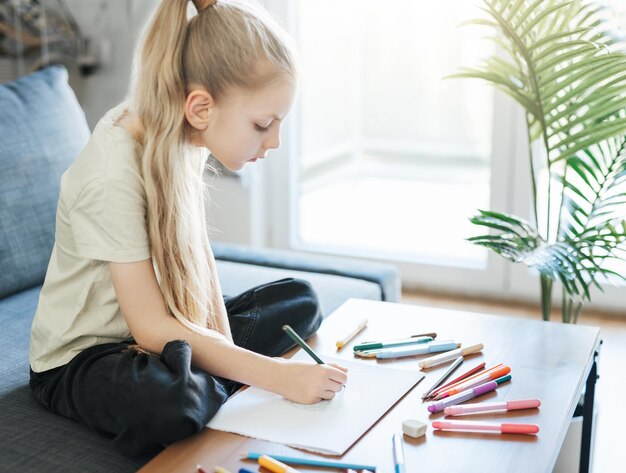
(198, 108)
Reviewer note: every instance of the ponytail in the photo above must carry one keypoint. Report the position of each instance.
(172, 173)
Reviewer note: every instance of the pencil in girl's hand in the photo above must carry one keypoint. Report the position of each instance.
(296, 338)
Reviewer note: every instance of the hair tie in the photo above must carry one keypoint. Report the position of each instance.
(202, 5)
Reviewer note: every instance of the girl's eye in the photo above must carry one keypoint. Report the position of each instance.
(260, 128)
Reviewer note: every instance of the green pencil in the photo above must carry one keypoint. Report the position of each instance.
(296, 338)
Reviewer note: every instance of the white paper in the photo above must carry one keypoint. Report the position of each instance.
(329, 427)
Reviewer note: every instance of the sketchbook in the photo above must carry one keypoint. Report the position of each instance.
(329, 427)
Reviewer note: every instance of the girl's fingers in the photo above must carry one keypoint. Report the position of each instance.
(338, 376)
(334, 386)
(328, 395)
(339, 367)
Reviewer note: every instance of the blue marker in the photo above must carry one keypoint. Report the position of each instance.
(398, 454)
(421, 349)
(243, 470)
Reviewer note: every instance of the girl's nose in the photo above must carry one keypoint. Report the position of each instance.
(273, 139)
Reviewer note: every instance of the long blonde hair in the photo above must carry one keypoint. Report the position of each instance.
(221, 48)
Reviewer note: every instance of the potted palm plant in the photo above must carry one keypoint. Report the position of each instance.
(559, 61)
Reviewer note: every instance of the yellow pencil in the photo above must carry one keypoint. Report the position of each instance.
(219, 469)
(345, 340)
(274, 465)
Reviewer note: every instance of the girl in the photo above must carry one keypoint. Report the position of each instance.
(132, 336)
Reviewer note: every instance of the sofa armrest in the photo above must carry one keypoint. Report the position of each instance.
(385, 275)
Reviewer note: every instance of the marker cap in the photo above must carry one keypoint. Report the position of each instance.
(472, 349)
(519, 428)
(525, 404)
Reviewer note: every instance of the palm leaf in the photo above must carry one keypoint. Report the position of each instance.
(557, 49)
(572, 262)
(594, 191)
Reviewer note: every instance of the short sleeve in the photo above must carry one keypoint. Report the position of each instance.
(108, 222)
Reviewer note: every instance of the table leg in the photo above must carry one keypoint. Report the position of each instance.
(587, 413)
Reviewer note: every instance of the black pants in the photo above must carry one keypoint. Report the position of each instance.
(144, 402)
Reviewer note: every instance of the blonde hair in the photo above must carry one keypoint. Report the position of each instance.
(230, 44)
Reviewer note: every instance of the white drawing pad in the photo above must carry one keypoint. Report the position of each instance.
(329, 427)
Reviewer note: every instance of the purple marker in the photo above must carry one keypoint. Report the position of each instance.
(467, 394)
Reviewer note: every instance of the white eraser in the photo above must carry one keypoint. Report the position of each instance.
(413, 428)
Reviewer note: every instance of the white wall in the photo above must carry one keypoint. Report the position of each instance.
(114, 27)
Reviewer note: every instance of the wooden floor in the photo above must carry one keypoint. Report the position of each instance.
(611, 387)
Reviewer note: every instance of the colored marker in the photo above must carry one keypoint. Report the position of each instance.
(218, 469)
(243, 470)
(443, 377)
(398, 454)
(481, 408)
(366, 346)
(452, 384)
(422, 349)
(200, 469)
(349, 336)
(296, 338)
(274, 465)
(472, 383)
(496, 427)
(309, 462)
(438, 406)
(465, 375)
(444, 357)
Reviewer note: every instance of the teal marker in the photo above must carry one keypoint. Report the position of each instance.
(392, 343)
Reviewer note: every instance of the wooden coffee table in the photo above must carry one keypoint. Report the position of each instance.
(549, 361)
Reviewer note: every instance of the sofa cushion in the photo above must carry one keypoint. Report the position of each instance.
(43, 128)
(31, 438)
(332, 290)
(384, 275)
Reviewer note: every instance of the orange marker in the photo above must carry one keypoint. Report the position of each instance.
(275, 466)
(477, 381)
(464, 380)
(461, 377)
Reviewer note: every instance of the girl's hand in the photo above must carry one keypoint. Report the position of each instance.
(306, 383)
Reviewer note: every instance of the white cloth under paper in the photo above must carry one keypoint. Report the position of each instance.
(329, 427)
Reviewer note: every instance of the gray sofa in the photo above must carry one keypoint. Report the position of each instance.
(42, 128)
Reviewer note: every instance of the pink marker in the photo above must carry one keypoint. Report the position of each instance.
(496, 427)
(481, 408)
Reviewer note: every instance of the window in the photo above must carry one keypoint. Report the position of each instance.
(383, 159)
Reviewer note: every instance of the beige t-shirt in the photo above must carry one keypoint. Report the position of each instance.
(101, 217)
